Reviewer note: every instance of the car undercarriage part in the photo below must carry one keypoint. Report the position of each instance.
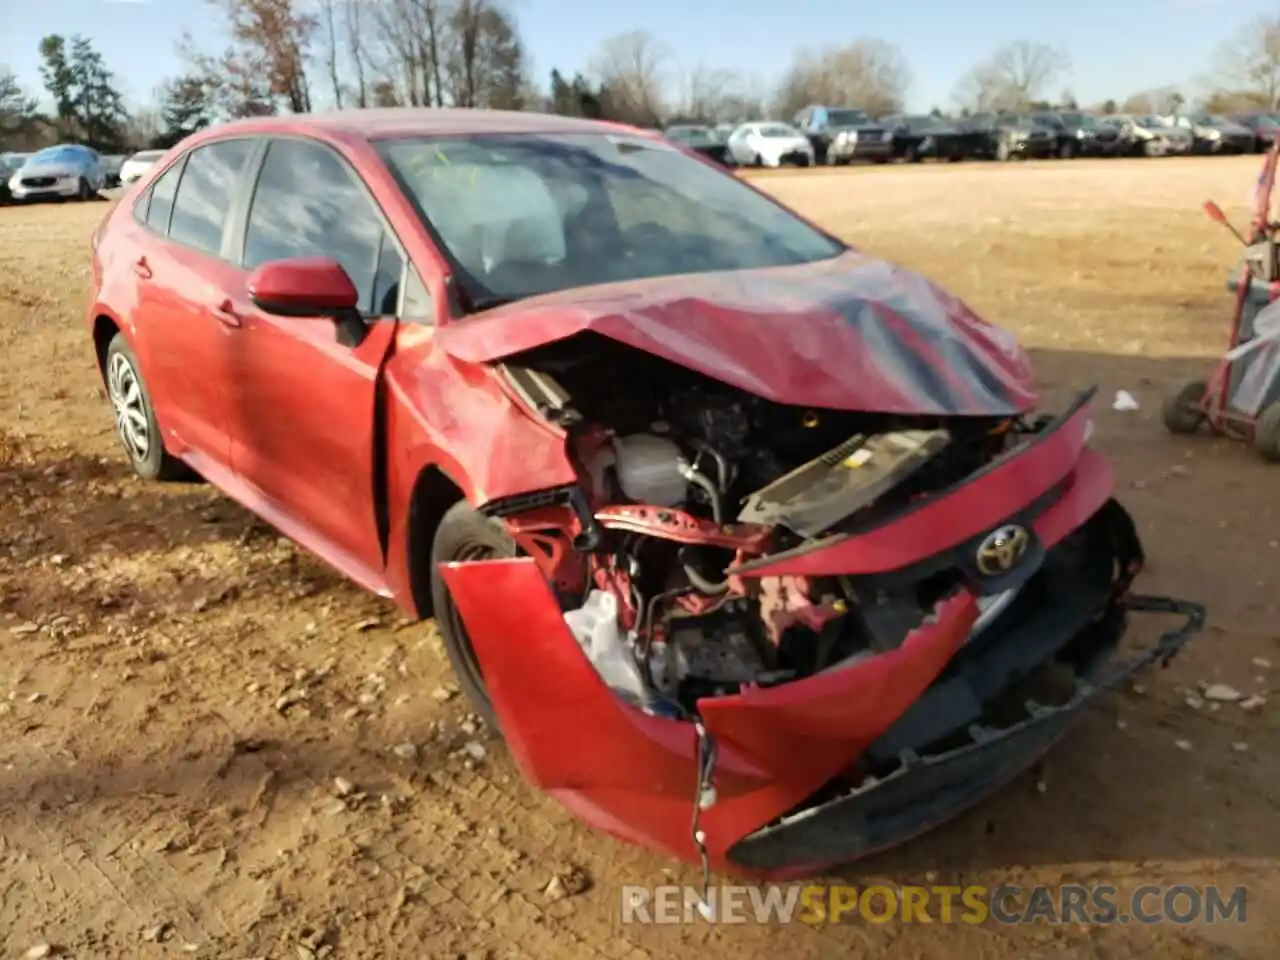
(667, 456)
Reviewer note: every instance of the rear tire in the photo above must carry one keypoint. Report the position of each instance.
(136, 425)
(1266, 434)
(464, 535)
(1003, 153)
(1181, 411)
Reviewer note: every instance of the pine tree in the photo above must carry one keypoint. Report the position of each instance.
(185, 109)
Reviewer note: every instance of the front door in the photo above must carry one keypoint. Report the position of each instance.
(304, 404)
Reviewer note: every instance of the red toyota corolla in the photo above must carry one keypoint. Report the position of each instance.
(750, 544)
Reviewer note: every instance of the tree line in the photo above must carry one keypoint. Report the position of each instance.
(291, 56)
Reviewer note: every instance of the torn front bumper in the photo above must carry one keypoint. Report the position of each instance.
(937, 774)
(924, 717)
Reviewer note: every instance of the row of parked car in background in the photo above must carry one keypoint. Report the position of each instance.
(68, 171)
(840, 135)
(816, 135)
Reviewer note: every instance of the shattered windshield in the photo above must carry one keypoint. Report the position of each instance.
(522, 215)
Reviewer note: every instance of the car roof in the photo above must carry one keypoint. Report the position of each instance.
(392, 122)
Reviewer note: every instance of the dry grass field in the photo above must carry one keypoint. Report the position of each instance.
(158, 797)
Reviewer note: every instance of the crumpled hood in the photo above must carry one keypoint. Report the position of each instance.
(850, 333)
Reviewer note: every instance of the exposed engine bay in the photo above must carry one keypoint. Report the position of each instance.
(684, 479)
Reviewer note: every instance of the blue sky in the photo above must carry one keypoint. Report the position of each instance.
(1117, 47)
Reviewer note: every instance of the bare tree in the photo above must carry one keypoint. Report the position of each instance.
(410, 45)
(265, 65)
(705, 93)
(633, 67)
(1162, 101)
(868, 74)
(329, 18)
(1012, 77)
(484, 63)
(1249, 62)
(356, 50)
(1233, 101)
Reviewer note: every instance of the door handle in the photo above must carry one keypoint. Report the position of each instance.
(226, 314)
(142, 268)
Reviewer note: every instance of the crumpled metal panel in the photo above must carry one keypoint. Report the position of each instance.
(850, 333)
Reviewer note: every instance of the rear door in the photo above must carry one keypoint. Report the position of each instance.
(183, 277)
(305, 404)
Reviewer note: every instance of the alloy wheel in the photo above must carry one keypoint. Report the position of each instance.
(125, 391)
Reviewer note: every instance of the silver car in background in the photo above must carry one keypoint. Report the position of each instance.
(1150, 136)
(69, 171)
(1215, 134)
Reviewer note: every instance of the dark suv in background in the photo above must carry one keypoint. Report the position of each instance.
(1265, 127)
(918, 136)
(1079, 134)
(999, 137)
(842, 134)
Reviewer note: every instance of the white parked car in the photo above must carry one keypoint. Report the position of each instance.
(770, 144)
(68, 171)
(136, 166)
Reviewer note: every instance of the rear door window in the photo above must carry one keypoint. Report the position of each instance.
(206, 193)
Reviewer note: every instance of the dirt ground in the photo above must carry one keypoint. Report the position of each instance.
(157, 794)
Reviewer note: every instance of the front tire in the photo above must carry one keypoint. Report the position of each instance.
(136, 425)
(85, 191)
(464, 535)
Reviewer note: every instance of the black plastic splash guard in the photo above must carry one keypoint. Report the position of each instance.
(924, 791)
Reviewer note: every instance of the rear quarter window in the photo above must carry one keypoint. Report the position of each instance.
(156, 204)
(205, 194)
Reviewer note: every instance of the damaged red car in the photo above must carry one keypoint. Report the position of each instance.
(754, 547)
